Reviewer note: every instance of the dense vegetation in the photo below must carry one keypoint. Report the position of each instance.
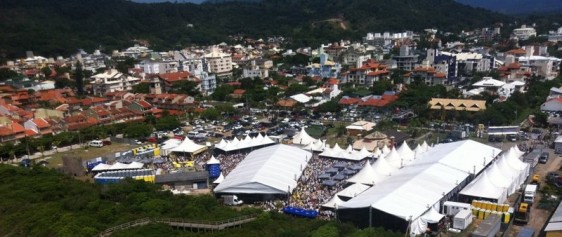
(41, 202)
(62, 26)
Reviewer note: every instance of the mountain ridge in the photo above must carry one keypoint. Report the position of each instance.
(516, 6)
(63, 26)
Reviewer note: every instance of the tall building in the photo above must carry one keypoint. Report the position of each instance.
(220, 63)
(111, 81)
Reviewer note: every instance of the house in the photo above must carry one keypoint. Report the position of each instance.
(524, 33)
(457, 104)
(111, 81)
(372, 141)
(360, 127)
(11, 131)
(378, 101)
(237, 93)
(366, 73)
(324, 69)
(346, 100)
(552, 105)
(39, 126)
(168, 80)
(79, 121)
(287, 102)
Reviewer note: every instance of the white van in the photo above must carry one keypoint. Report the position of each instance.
(95, 143)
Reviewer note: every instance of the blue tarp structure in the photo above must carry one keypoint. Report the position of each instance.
(329, 183)
(339, 176)
(300, 212)
(331, 170)
(324, 176)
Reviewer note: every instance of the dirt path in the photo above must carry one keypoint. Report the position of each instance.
(539, 216)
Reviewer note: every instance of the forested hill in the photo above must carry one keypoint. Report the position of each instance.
(61, 26)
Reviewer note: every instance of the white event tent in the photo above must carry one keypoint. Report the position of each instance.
(413, 190)
(500, 179)
(348, 154)
(302, 138)
(117, 166)
(188, 146)
(247, 142)
(269, 170)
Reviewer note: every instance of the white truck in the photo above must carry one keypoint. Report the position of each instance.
(231, 200)
(530, 193)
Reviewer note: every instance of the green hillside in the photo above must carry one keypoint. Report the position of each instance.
(61, 26)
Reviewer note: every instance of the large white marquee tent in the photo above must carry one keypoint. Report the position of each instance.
(411, 191)
(269, 170)
(302, 138)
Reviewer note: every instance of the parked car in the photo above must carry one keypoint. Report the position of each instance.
(544, 158)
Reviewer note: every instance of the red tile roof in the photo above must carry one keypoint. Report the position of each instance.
(379, 101)
(29, 132)
(41, 123)
(174, 76)
(348, 101)
(238, 92)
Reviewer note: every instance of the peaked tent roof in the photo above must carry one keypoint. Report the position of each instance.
(188, 146)
(213, 161)
(269, 170)
(353, 190)
(483, 187)
(335, 202)
(302, 138)
(219, 179)
(364, 176)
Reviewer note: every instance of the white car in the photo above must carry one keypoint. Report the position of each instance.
(138, 142)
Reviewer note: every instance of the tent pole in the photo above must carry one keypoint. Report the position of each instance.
(370, 216)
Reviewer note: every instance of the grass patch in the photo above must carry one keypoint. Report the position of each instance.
(55, 160)
(315, 131)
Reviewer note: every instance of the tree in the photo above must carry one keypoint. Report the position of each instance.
(138, 130)
(222, 92)
(186, 87)
(294, 89)
(6, 73)
(327, 230)
(210, 114)
(46, 71)
(141, 88)
(167, 123)
(330, 106)
(79, 77)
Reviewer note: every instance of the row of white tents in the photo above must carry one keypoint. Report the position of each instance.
(500, 179)
(409, 184)
(117, 166)
(247, 142)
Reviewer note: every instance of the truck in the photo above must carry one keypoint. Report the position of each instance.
(522, 214)
(530, 193)
(231, 200)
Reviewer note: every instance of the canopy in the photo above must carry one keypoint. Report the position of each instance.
(219, 179)
(482, 187)
(118, 166)
(247, 142)
(394, 159)
(419, 225)
(302, 138)
(269, 170)
(213, 161)
(188, 146)
(333, 203)
(317, 146)
(364, 176)
(347, 154)
(352, 190)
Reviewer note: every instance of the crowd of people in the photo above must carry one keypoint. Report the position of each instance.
(310, 192)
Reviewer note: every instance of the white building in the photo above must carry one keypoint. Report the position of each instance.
(524, 33)
(219, 63)
(555, 36)
(255, 71)
(111, 81)
(157, 67)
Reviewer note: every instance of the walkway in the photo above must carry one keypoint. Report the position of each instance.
(183, 224)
